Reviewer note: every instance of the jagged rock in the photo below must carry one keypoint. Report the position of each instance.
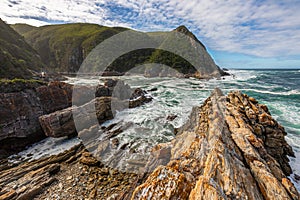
(61, 123)
(218, 155)
(171, 117)
(27, 180)
(19, 110)
(88, 159)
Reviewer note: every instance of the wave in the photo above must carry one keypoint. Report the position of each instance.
(286, 93)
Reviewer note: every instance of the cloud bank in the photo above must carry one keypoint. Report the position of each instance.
(267, 28)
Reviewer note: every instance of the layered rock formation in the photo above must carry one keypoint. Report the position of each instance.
(231, 148)
(21, 108)
(103, 107)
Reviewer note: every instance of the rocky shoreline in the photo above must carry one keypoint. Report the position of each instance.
(23, 103)
(230, 148)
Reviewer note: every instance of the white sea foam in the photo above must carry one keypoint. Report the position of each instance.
(294, 141)
(285, 93)
(46, 147)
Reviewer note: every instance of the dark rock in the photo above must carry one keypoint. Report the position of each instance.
(152, 90)
(61, 123)
(19, 124)
(171, 117)
(297, 177)
(110, 82)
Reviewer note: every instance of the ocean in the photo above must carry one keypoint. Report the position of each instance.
(278, 89)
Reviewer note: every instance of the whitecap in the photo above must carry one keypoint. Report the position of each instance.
(285, 93)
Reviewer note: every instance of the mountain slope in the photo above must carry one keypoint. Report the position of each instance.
(17, 58)
(64, 47)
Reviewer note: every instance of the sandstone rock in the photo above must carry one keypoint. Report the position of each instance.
(88, 159)
(28, 179)
(218, 155)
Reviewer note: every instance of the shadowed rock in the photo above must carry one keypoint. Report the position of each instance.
(20, 110)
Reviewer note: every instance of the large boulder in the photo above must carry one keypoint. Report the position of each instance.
(61, 123)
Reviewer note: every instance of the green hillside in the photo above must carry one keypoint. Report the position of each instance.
(17, 58)
(64, 47)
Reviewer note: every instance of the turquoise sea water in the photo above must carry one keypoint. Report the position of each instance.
(278, 89)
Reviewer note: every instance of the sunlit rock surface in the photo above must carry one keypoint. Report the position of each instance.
(231, 148)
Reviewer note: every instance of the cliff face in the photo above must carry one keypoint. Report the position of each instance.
(21, 108)
(231, 148)
(17, 58)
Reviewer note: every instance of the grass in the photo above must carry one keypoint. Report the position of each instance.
(17, 57)
(17, 84)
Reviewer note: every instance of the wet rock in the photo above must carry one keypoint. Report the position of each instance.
(297, 177)
(138, 98)
(171, 117)
(152, 90)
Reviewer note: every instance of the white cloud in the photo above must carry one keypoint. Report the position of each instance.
(267, 29)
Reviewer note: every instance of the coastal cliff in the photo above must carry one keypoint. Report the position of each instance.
(21, 104)
(230, 148)
(26, 107)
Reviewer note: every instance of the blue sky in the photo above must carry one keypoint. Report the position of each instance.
(237, 33)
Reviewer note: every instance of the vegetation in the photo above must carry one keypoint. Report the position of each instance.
(64, 47)
(17, 58)
(17, 84)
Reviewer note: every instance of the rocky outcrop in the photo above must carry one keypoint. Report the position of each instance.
(23, 102)
(231, 148)
(73, 174)
(61, 123)
(20, 110)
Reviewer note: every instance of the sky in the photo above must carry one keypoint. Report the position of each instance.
(237, 33)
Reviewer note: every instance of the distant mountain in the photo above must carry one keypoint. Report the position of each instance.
(64, 47)
(17, 58)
